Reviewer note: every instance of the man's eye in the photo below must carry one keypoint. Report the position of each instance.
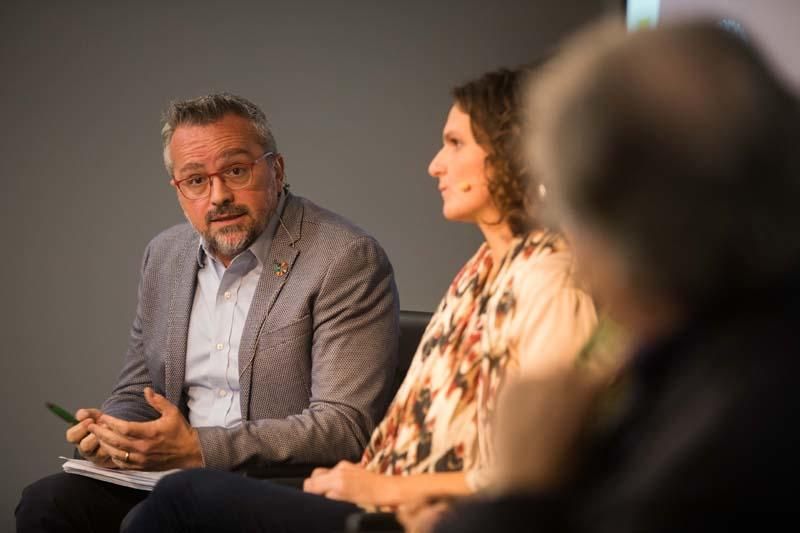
(236, 171)
(196, 181)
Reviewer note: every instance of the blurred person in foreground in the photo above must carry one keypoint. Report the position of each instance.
(514, 308)
(671, 159)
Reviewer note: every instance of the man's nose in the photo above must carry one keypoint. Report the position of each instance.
(220, 193)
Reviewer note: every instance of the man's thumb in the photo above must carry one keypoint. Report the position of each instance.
(156, 401)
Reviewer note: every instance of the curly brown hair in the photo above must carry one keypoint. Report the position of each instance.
(494, 103)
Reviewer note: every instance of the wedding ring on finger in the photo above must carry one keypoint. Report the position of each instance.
(127, 456)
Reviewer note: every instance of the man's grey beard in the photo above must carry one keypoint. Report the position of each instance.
(222, 243)
(220, 246)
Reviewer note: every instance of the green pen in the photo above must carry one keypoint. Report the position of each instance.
(61, 413)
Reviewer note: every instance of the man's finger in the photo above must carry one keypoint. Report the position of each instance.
(112, 439)
(101, 458)
(78, 432)
(158, 402)
(110, 450)
(88, 445)
(83, 414)
(123, 459)
(122, 464)
(136, 430)
(130, 460)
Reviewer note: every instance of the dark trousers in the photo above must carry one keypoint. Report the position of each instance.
(69, 502)
(207, 500)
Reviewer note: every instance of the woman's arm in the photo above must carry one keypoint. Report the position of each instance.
(554, 319)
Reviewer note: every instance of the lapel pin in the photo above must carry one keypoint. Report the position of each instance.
(280, 268)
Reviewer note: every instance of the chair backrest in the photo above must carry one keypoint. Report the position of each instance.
(412, 326)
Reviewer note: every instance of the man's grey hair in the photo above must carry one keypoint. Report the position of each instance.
(678, 146)
(211, 108)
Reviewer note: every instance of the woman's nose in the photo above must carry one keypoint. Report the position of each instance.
(436, 168)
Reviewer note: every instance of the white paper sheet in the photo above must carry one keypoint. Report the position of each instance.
(127, 478)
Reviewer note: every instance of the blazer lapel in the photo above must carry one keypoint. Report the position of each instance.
(277, 269)
(180, 309)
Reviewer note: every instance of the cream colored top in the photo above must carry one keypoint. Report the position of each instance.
(527, 317)
(558, 320)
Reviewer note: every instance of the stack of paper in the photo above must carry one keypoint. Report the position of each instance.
(127, 478)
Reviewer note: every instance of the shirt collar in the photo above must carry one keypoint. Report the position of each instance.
(260, 247)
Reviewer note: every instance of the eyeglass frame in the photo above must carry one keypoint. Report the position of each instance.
(211, 175)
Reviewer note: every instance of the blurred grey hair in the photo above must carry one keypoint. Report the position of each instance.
(211, 108)
(678, 146)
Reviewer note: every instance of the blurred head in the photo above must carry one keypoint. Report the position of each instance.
(215, 140)
(480, 170)
(671, 158)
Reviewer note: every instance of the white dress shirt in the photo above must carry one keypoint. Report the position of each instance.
(221, 303)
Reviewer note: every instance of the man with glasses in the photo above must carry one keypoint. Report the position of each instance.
(265, 333)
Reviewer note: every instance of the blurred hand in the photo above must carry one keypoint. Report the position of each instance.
(165, 443)
(422, 515)
(352, 483)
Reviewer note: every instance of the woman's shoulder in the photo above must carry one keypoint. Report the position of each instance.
(546, 284)
(543, 257)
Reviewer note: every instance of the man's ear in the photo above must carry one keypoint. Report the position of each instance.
(280, 172)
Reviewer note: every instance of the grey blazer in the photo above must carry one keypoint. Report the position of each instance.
(318, 350)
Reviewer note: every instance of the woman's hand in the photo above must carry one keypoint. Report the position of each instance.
(352, 483)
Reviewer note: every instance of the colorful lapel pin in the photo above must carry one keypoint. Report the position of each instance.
(280, 268)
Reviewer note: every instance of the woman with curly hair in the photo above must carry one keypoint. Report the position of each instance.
(513, 309)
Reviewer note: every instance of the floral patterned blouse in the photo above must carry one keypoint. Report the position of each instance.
(526, 316)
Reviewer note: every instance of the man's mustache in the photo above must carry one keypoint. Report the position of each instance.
(226, 211)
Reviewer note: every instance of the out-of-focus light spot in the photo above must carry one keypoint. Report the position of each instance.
(644, 23)
(733, 26)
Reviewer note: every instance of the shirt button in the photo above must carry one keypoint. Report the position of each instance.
(220, 346)
(222, 393)
(227, 295)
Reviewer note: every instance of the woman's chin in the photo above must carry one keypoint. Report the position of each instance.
(457, 215)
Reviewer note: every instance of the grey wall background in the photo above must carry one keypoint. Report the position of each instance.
(357, 93)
